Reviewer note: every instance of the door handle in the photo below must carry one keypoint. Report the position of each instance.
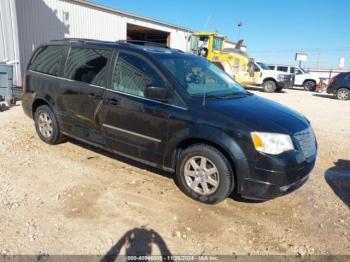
(92, 95)
(113, 101)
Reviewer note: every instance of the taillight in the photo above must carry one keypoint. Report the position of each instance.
(332, 80)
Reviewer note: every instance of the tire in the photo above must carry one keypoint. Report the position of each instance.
(14, 101)
(47, 126)
(343, 94)
(269, 86)
(224, 177)
(279, 89)
(309, 85)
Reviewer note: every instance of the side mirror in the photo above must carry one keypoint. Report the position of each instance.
(156, 93)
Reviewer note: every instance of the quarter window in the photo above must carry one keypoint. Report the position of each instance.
(132, 75)
(48, 60)
(87, 65)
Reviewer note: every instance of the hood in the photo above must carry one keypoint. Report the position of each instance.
(260, 114)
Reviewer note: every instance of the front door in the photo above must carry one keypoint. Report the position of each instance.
(82, 92)
(134, 125)
(299, 78)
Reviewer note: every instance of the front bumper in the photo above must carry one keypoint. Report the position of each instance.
(264, 190)
(331, 90)
(271, 177)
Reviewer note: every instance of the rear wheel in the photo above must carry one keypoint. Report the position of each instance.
(47, 126)
(343, 94)
(269, 86)
(204, 174)
(309, 85)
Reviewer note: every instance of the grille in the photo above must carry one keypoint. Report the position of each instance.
(307, 142)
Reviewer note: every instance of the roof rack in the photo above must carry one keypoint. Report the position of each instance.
(133, 42)
(140, 42)
(80, 40)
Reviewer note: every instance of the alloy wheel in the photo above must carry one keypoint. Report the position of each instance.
(343, 95)
(201, 175)
(45, 125)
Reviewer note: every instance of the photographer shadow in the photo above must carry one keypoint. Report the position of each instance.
(338, 178)
(138, 242)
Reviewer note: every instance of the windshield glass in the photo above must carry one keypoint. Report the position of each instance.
(264, 66)
(194, 43)
(303, 70)
(197, 75)
(217, 45)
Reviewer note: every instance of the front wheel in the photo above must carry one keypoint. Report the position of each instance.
(204, 174)
(343, 94)
(269, 86)
(309, 85)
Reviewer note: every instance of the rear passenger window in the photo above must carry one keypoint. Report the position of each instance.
(132, 74)
(282, 68)
(87, 65)
(48, 60)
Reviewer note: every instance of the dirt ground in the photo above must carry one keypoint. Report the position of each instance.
(70, 199)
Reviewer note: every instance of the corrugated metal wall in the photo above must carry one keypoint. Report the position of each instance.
(40, 21)
(8, 35)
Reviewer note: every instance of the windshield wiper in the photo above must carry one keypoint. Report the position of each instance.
(229, 95)
(235, 94)
(214, 96)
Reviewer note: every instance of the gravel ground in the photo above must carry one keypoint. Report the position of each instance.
(70, 199)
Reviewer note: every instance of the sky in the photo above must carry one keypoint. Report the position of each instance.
(273, 30)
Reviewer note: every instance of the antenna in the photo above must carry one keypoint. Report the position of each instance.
(204, 95)
(207, 22)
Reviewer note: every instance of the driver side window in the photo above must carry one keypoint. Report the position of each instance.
(132, 75)
(295, 70)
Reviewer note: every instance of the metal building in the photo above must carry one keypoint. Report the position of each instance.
(25, 24)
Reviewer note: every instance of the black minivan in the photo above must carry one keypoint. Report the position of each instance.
(171, 110)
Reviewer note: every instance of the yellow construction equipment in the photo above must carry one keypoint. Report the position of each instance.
(233, 61)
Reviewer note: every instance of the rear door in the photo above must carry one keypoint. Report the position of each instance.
(134, 125)
(282, 69)
(85, 78)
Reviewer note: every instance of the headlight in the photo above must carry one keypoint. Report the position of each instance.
(272, 143)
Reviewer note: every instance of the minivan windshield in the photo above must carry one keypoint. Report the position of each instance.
(197, 76)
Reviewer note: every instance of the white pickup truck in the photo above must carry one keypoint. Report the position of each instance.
(272, 80)
(302, 78)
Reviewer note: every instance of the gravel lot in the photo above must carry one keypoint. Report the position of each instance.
(69, 199)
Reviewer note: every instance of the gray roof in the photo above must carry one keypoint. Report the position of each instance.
(123, 13)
